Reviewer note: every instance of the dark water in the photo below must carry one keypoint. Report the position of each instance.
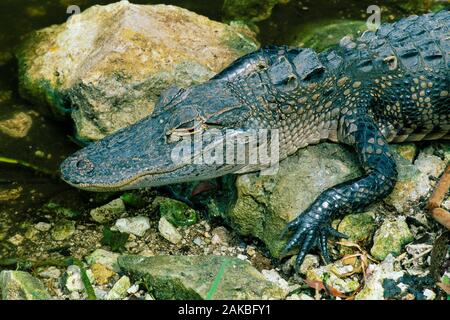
(23, 189)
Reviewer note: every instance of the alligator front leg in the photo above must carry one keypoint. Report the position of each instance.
(312, 227)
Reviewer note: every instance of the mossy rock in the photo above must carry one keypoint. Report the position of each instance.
(359, 228)
(200, 277)
(19, 285)
(391, 237)
(177, 213)
(325, 34)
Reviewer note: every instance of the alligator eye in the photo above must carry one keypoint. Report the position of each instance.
(189, 126)
(84, 165)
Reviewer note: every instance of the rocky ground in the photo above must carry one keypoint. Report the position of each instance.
(144, 245)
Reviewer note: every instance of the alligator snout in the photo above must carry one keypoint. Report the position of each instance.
(75, 169)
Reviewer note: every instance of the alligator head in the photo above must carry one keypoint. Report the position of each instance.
(160, 149)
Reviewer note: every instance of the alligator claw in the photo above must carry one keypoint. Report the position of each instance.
(310, 230)
(335, 233)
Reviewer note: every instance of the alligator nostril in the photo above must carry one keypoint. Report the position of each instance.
(84, 165)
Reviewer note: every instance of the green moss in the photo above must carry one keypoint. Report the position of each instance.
(325, 34)
(133, 199)
(359, 228)
(390, 238)
(177, 213)
(114, 239)
(240, 43)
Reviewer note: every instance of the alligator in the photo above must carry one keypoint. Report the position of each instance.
(390, 85)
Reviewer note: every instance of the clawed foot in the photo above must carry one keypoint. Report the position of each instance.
(312, 228)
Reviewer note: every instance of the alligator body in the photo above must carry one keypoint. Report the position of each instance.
(391, 85)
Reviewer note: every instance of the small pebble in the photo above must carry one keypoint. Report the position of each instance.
(42, 226)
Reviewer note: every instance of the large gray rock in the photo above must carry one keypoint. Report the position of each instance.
(266, 203)
(200, 277)
(109, 64)
(19, 285)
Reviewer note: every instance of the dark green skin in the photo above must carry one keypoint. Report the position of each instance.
(388, 86)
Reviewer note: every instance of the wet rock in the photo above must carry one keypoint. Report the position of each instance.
(200, 277)
(324, 34)
(249, 10)
(177, 212)
(391, 237)
(108, 65)
(63, 230)
(266, 203)
(376, 274)
(19, 285)
(17, 126)
(119, 290)
(135, 225)
(101, 273)
(168, 231)
(103, 257)
(359, 228)
(109, 212)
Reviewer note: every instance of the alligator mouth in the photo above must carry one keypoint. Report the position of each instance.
(122, 185)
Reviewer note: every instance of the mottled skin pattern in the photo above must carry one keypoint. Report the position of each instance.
(388, 86)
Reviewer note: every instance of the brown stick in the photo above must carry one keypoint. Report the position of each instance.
(440, 215)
